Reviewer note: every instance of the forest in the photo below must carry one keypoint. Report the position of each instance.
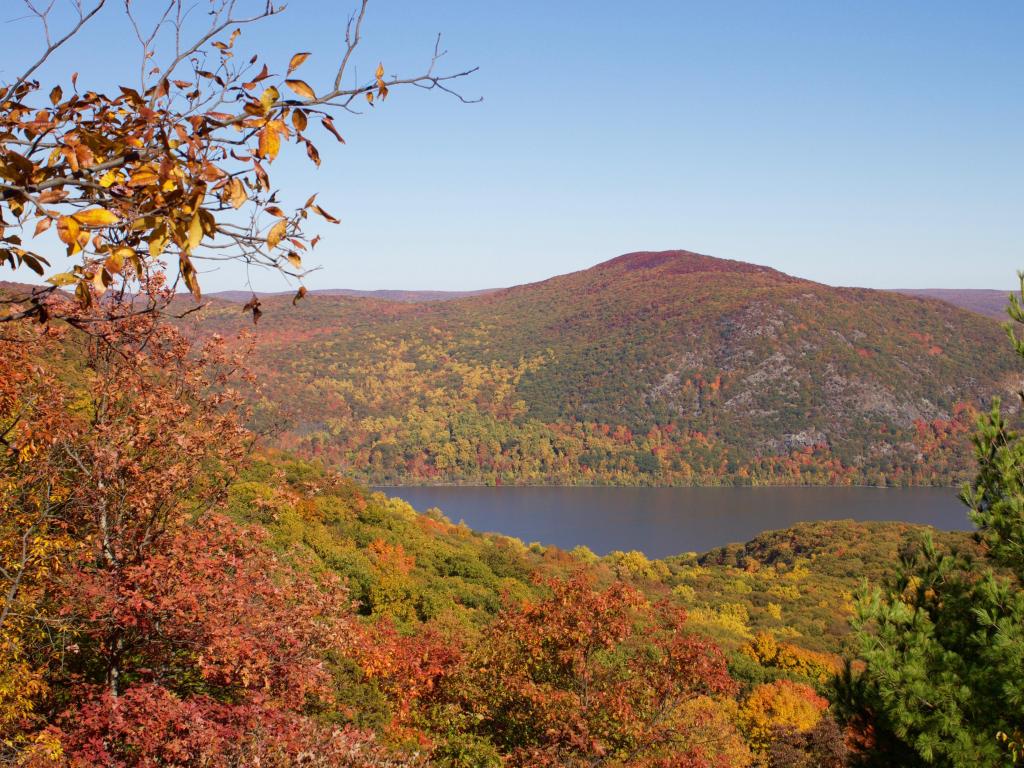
(651, 369)
(184, 597)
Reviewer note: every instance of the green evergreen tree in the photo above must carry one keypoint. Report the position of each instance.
(942, 647)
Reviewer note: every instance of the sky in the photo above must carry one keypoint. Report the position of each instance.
(875, 143)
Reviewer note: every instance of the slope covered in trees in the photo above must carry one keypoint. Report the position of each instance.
(171, 599)
(652, 368)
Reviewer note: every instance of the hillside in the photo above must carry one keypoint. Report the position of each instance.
(654, 368)
(981, 300)
(435, 598)
(793, 583)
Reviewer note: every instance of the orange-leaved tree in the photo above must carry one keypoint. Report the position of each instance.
(593, 676)
(174, 166)
(33, 499)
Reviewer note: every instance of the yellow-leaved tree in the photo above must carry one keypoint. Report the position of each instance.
(173, 167)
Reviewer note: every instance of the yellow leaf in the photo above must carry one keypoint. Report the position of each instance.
(297, 60)
(62, 279)
(301, 87)
(208, 223)
(277, 233)
(380, 70)
(96, 217)
(270, 142)
(294, 259)
(158, 240)
(195, 232)
(101, 280)
(369, 97)
(269, 97)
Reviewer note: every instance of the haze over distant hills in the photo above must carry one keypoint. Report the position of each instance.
(990, 303)
(386, 294)
(984, 301)
(655, 367)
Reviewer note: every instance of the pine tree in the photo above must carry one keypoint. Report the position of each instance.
(942, 647)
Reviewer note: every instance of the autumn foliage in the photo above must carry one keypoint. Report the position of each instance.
(592, 676)
(139, 625)
(175, 166)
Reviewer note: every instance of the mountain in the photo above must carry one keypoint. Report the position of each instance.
(655, 367)
(981, 300)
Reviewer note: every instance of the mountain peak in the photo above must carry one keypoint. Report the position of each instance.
(683, 262)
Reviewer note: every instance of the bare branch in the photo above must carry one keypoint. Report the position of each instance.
(83, 18)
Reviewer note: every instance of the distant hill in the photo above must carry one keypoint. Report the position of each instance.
(981, 300)
(652, 368)
(388, 295)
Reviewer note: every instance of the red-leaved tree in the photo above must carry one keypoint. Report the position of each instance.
(591, 677)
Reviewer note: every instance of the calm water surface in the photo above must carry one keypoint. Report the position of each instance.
(667, 521)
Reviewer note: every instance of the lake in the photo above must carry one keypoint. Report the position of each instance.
(667, 521)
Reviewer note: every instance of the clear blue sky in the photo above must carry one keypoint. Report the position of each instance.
(876, 143)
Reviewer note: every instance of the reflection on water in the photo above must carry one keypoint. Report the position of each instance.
(667, 521)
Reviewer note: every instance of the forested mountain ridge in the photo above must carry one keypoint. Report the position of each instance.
(652, 368)
(991, 303)
(386, 294)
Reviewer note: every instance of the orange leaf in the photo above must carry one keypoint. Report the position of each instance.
(261, 176)
(329, 125)
(270, 142)
(325, 214)
(297, 60)
(96, 217)
(68, 230)
(115, 262)
(314, 155)
(234, 193)
(302, 88)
